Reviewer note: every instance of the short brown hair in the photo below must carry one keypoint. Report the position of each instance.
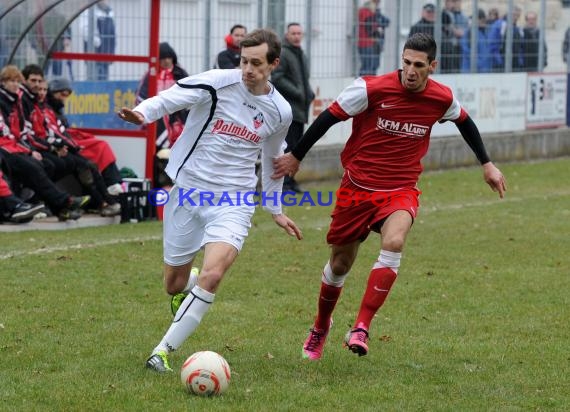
(260, 36)
(11, 72)
(422, 42)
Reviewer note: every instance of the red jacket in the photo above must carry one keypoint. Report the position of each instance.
(48, 129)
(367, 27)
(13, 129)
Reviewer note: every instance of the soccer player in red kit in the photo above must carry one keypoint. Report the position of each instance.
(392, 116)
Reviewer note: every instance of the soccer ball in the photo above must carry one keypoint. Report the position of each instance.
(205, 373)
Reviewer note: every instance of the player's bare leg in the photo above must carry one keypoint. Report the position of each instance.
(218, 257)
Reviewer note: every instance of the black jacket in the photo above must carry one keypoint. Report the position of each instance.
(291, 78)
(422, 26)
(530, 49)
(228, 59)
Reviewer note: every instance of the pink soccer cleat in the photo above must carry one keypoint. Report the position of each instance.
(314, 344)
(356, 340)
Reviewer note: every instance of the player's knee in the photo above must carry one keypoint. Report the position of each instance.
(394, 242)
(340, 265)
(175, 280)
(210, 279)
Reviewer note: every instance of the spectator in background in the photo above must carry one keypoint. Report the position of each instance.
(371, 26)
(56, 148)
(291, 79)
(531, 43)
(566, 47)
(96, 150)
(492, 16)
(229, 58)
(497, 36)
(484, 61)
(12, 208)
(56, 162)
(427, 22)
(33, 76)
(169, 127)
(459, 19)
(49, 130)
(454, 26)
(25, 164)
(103, 36)
(383, 23)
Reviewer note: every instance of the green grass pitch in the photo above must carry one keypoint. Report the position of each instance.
(477, 321)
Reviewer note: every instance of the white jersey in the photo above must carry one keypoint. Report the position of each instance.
(226, 128)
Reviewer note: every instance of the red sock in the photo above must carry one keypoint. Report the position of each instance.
(327, 301)
(379, 283)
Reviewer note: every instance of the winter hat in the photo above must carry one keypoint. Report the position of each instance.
(165, 51)
(60, 84)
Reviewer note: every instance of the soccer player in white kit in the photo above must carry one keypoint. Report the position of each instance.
(233, 115)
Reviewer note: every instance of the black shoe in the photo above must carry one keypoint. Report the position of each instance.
(25, 212)
(67, 214)
(291, 185)
(77, 202)
(296, 188)
(287, 188)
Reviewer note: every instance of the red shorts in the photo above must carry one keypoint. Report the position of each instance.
(359, 211)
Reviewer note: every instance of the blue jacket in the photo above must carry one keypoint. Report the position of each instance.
(484, 58)
(497, 37)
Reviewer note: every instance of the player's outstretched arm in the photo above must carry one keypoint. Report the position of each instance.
(495, 178)
(288, 225)
(288, 164)
(131, 116)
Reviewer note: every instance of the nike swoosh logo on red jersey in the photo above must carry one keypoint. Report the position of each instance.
(386, 106)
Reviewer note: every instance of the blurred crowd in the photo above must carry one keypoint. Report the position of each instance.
(47, 167)
(490, 41)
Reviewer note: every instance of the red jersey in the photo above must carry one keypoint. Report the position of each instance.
(391, 127)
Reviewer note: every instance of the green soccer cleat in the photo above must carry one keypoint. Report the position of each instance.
(158, 362)
(177, 299)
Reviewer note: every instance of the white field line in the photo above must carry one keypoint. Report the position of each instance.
(497, 201)
(313, 224)
(65, 248)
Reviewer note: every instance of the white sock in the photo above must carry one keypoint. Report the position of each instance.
(388, 259)
(187, 319)
(192, 280)
(329, 278)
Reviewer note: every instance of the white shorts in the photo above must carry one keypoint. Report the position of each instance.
(192, 223)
